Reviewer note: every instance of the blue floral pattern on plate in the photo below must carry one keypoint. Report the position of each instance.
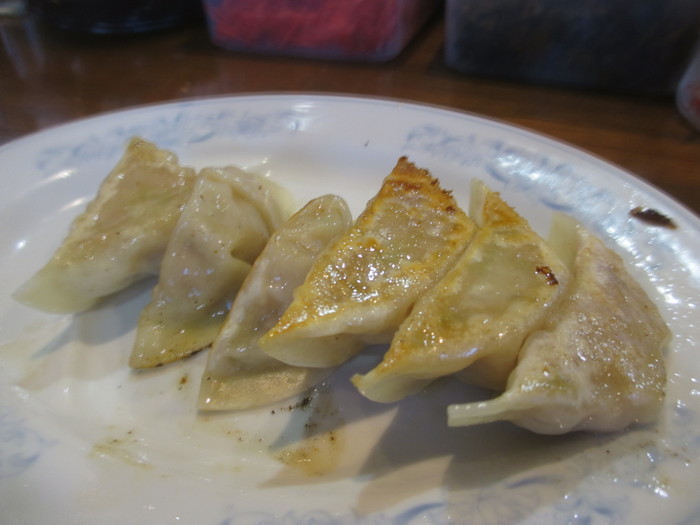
(21, 445)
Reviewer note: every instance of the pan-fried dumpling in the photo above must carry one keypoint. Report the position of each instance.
(120, 237)
(224, 226)
(598, 365)
(474, 320)
(364, 285)
(238, 374)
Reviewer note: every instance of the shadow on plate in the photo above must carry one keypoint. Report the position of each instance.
(405, 451)
(89, 346)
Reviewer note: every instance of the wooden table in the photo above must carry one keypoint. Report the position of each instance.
(48, 77)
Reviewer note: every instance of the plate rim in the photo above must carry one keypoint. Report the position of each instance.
(570, 148)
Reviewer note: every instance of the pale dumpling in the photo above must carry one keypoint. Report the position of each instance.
(120, 237)
(224, 226)
(475, 319)
(238, 374)
(598, 365)
(363, 286)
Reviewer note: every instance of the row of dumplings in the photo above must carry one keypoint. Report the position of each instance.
(557, 328)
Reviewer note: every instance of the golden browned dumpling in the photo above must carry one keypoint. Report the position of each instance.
(223, 228)
(363, 286)
(238, 374)
(474, 320)
(598, 363)
(120, 237)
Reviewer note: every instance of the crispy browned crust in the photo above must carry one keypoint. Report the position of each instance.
(408, 235)
(407, 180)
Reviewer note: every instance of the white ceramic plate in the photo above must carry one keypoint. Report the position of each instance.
(85, 440)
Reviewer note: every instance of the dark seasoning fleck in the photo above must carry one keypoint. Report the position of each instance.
(303, 403)
(548, 274)
(653, 217)
(183, 381)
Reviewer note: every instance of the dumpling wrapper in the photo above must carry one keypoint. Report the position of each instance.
(599, 363)
(224, 226)
(475, 319)
(238, 374)
(120, 237)
(363, 286)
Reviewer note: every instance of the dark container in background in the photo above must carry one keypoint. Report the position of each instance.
(116, 16)
(359, 30)
(637, 46)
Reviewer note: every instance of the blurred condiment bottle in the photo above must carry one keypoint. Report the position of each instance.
(688, 91)
(116, 16)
